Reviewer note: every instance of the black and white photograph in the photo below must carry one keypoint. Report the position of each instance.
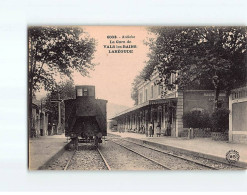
(137, 98)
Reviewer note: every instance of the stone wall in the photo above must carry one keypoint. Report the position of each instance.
(240, 138)
(179, 113)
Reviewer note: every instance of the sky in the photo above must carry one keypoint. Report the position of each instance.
(115, 72)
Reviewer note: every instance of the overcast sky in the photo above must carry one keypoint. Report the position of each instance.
(115, 72)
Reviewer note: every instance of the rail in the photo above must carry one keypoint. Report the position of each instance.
(102, 156)
(67, 164)
(150, 159)
(180, 157)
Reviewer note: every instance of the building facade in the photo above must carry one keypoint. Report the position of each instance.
(40, 122)
(238, 115)
(167, 111)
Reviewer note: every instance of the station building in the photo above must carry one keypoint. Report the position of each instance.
(167, 110)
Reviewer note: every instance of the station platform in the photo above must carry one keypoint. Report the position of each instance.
(201, 147)
(44, 149)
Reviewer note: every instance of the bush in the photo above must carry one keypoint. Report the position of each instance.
(196, 119)
(220, 120)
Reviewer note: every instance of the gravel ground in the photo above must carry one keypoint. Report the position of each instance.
(165, 159)
(87, 158)
(208, 162)
(120, 158)
(60, 162)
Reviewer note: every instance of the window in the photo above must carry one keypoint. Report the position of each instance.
(173, 77)
(141, 98)
(79, 92)
(160, 89)
(146, 94)
(85, 92)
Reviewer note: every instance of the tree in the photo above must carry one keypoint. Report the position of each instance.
(220, 120)
(196, 119)
(213, 57)
(54, 52)
(134, 90)
(66, 90)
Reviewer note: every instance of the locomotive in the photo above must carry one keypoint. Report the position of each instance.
(85, 116)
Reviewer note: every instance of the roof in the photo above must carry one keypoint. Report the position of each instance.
(36, 102)
(35, 106)
(243, 87)
(79, 86)
(149, 102)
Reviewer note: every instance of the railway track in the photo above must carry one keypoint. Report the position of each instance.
(104, 159)
(144, 156)
(209, 165)
(170, 161)
(102, 156)
(87, 158)
(173, 155)
(124, 154)
(68, 163)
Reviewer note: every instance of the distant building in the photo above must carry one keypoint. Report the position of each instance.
(35, 121)
(168, 110)
(112, 125)
(40, 121)
(238, 115)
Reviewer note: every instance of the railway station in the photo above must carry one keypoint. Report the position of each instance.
(88, 139)
(54, 147)
(61, 154)
(173, 103)
(166, 111)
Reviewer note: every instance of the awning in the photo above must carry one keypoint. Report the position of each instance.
(147, 103)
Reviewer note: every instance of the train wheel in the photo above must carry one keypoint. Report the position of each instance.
(75, 143)
(96, 142)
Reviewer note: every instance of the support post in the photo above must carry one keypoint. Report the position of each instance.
(59, 114)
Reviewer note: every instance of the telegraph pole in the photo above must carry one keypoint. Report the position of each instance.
(58, 100)
(59, 113)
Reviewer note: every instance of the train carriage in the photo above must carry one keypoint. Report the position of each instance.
(85, 116)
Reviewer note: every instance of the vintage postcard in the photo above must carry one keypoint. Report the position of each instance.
(137, 97)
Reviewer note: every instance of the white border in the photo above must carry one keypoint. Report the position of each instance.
(16, 15)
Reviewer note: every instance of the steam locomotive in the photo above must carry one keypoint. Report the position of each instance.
(85, 116)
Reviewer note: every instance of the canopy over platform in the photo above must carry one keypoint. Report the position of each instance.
(145, 104)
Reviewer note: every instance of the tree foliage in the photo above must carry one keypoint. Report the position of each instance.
(213, 57)
(220, 120)
(56, 51)
(66, 90)
(134, 91)
(197, 119)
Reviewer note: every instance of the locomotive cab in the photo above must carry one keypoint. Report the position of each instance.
(85, 91)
